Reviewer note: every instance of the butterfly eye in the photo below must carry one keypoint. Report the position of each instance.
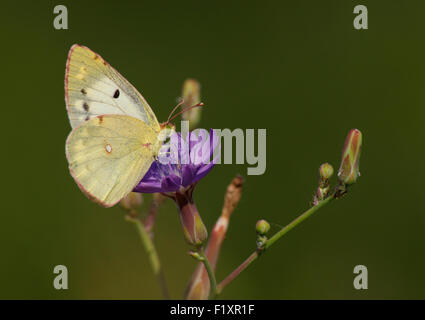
(116, 94)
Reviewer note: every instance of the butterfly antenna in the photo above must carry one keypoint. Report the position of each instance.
(171, 118)
(174, 109)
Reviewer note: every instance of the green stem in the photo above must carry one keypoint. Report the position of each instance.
(152, 254)
(270, 242)
(211, 276)
(297, 221)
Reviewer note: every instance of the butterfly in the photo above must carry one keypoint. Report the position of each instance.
(115, 137)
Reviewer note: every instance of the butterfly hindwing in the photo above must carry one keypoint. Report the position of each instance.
(108, 155)
(93, 88)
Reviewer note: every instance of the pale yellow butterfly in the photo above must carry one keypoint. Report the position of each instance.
(115, 136)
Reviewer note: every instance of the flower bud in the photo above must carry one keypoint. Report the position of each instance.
(262, 227)
(132, 201)
(326, 171)
(349, 170)
(191, 96)
(194, 229)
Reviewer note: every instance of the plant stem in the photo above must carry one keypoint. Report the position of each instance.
(211, 276)
(270, 242)
(237, 271)
(297, 221)
(152, 254)
(199, 285)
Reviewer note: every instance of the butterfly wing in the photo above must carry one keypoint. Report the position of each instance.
(108, 155)
(93, 88)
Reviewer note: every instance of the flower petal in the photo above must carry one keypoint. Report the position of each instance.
(170, 183)
(191, 160)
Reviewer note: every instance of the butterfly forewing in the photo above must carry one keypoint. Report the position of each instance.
(108, 155)
(93, 88)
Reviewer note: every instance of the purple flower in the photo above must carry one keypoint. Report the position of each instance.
(182, 162)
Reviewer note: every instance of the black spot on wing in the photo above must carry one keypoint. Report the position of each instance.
(83, 91)
(86, 106)
(116, 93)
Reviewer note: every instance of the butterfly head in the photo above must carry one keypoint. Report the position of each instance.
(169, 126)
(166, 131)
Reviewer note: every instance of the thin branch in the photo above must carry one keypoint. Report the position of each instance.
(157, 200)
(211, 276)
(270, 242)
(151, 252)
(237, 271)
(297, 221)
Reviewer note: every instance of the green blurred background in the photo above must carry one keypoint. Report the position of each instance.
(296, 68)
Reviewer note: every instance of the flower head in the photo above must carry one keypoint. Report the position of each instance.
(182, 162)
